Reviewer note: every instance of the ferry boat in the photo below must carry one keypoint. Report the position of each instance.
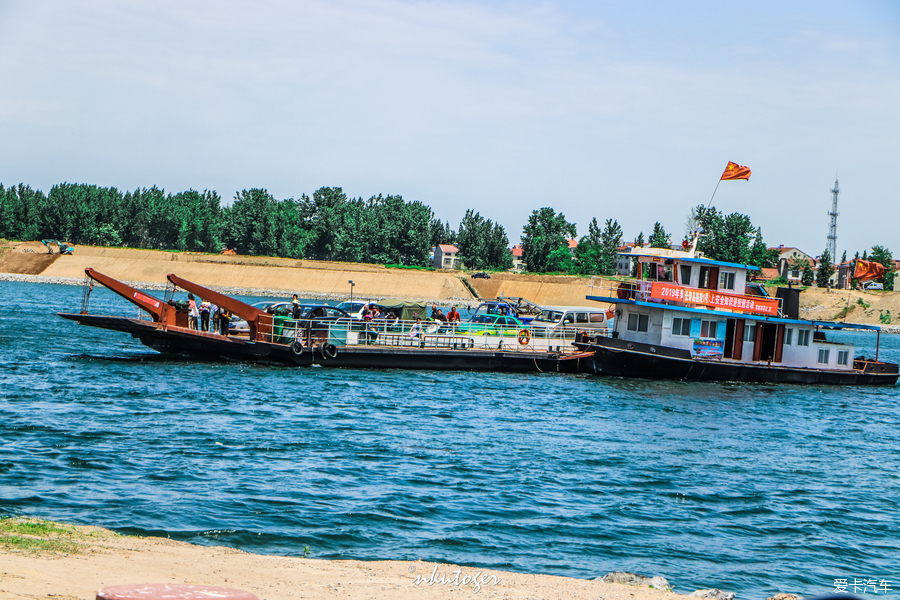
(164, 325)
(690, 317)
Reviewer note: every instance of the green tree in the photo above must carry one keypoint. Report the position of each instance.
(659, 238)
(844, 257)
(826, 269)
(545, 232)
(882, 255)
(807, 277)
(482, 243)
(639, 240)
(597, 251)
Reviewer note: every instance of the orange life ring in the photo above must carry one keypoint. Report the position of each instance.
(524, 336)
(685, 244)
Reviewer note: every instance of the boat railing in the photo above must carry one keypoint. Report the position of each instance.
(424, 334)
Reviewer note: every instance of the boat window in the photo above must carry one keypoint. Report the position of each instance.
(750, 332)
(788, 336)
(823, 356)
(596, 317)
(708, 329)
(803, 337)
(726, 281)
(638, 322)
(685, 275)
(681, 326)
(657, 272)
(581, 318)
(843, 356)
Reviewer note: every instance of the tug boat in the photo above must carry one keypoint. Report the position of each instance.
(689, 317)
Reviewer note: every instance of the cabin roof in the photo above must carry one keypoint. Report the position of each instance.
(695, 259)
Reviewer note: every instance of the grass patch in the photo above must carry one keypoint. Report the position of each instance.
(414, 267)
(32, 527)
(844, 312)
(885, 317)
(862, 303)
(37, 536)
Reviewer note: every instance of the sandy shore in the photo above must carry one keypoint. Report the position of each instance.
(68, 562)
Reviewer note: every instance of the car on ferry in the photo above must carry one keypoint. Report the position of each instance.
(483, 324)
(559, 318)
(356, 308)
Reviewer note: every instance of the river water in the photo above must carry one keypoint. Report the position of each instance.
(751, 488)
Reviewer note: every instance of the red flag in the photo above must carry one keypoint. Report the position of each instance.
(866, 270)
(735, 171)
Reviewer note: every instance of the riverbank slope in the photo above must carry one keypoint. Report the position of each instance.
(330, 280)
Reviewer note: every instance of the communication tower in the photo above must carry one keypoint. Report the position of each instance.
(832, 230)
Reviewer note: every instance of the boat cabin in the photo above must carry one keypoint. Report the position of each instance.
(707, 307)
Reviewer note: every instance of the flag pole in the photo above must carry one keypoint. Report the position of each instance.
(708, 204)
(697, 227)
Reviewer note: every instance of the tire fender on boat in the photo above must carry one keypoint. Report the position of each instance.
(297, 348)
(329, 351)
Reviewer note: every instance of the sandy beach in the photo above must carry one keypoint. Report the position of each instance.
(72, 562)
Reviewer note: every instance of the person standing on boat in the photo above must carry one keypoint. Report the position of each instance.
(453, 318)
(193, 312)
(224, 319)
(295, 311)
(416, 330)
(213, 317)
(204, 316)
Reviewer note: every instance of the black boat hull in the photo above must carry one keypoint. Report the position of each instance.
(617, 357)
(212, 346)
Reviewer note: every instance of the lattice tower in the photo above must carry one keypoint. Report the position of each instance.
(832, 230)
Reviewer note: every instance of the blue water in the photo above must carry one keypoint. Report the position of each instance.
(750, 488)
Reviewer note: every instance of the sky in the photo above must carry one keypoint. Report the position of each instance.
(615, 110)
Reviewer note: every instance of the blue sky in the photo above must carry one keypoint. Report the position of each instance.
(624, 110)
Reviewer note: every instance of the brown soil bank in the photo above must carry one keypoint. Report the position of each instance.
(311, 277)
(330, 279)
(851, 306)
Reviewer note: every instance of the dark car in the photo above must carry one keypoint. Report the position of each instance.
(481, 275)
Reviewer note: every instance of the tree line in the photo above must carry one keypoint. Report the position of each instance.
(329, 225)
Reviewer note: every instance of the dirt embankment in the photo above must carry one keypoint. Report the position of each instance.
(307, 277)
(331, 279)
(851, 306)
(325, 279)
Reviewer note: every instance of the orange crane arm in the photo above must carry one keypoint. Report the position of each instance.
(143, 301)
(241, 309)
(260, 325)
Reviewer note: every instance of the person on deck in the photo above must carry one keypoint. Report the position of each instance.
(193, 312)
(224, 320)
(204, 316)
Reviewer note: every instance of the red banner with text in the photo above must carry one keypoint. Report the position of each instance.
(755, 304)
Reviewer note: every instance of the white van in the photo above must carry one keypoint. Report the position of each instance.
(574, 318)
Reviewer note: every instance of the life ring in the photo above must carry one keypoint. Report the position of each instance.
(329, 351)
(524, 336)
(685, 244)
(297, 348)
